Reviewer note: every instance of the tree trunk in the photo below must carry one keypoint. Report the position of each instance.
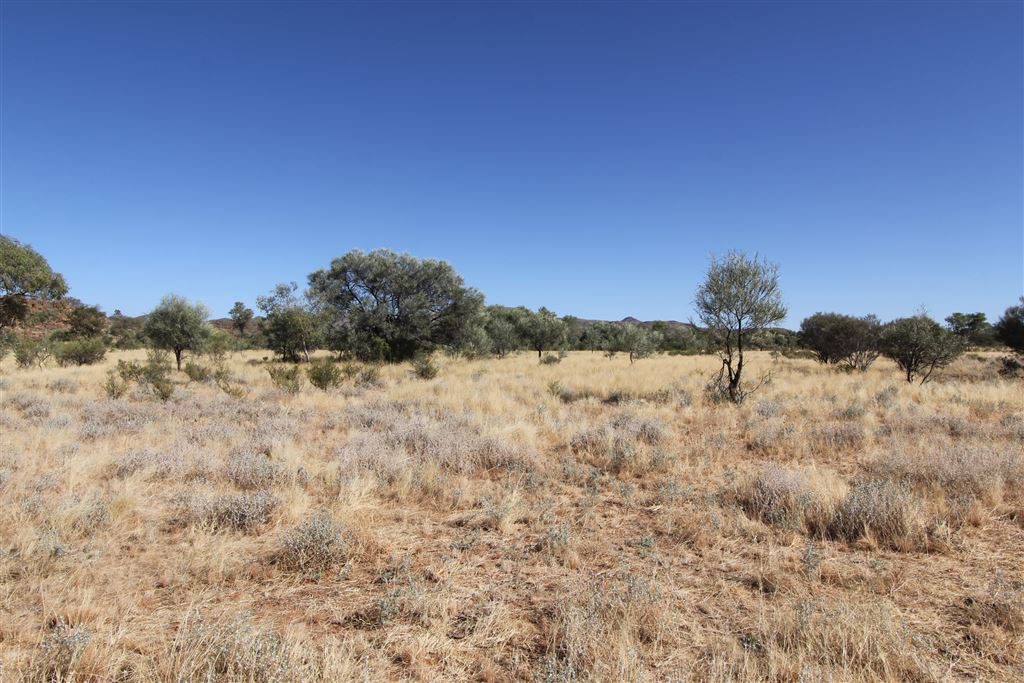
(177, 357)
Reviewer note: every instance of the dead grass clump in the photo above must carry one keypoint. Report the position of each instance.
(411, 434)
(838, 436)
(770, 436)
(31, 406)
(250, 471)
(846, 641)
(881, 510)
(231, 650)
(158, 465)
(313, 546)
(777, 496)
(58, 655)
(980, 472)
(789, 499)
(624, 444)
(240, 511)
(597, 634)
(103, 419)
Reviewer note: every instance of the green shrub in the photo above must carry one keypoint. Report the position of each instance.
(324, 374)
(86, 351)
(285, 377)
(115, 386)
(155, 375)
(423, 368)
(31, 352)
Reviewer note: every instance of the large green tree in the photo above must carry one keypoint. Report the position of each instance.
(1010, 327)
(291, 328)
(241, 315)
(24, 275)
(739, 296)
(542, 331)
(919, 346)
(178, 326)
(973, 328)
(842, 339)
(387, 306)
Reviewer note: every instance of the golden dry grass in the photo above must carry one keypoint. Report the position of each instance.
(508, 521)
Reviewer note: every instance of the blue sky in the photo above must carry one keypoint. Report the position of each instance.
(588, 157)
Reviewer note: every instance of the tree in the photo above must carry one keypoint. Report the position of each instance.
(127, 332)
(241, 315)
(86, 322)
(501, 325)
(24, 275)
(919, 346)
(739, 296)
(292, 329)
(842, 339)
(638, 341)
(1009, 328)
(542, 331)
(178, 326)
(388, 306)
(972, 328)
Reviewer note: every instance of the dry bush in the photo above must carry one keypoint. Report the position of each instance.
(57, 658)
(158, 465)
(230, 650)
(250, 471)
(882, 510)
(981, 472)
(402, 435)
(770, 436)
(789, 499)
(244, 511)
(597, 633)
(839, 436)
(312, 547)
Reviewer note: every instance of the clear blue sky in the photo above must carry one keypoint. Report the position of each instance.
(588, 157)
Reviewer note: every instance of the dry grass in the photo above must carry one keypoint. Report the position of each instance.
(506, 520)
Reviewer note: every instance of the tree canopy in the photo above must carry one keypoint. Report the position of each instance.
(739, 296)
(387, 306)
(178, 326)
(24, 275)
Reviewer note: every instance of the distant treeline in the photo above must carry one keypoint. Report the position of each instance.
(382, 306)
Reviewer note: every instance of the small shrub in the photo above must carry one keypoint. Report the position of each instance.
(249, 471)
(550, 359)
(777, 496)
(197, 372)
(154, 375)
(423, 368)
(313, 546)
(324, 374)
(81, 351)
(114, 386)
(63, 386)
(288, 378)
(59, 653)
(240, 511)
(880, 508)
(31, 352)
(838, 436)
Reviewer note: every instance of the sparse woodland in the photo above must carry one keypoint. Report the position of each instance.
(431, 500)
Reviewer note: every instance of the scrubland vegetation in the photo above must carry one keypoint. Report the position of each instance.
(590, 519)
(381, 478)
